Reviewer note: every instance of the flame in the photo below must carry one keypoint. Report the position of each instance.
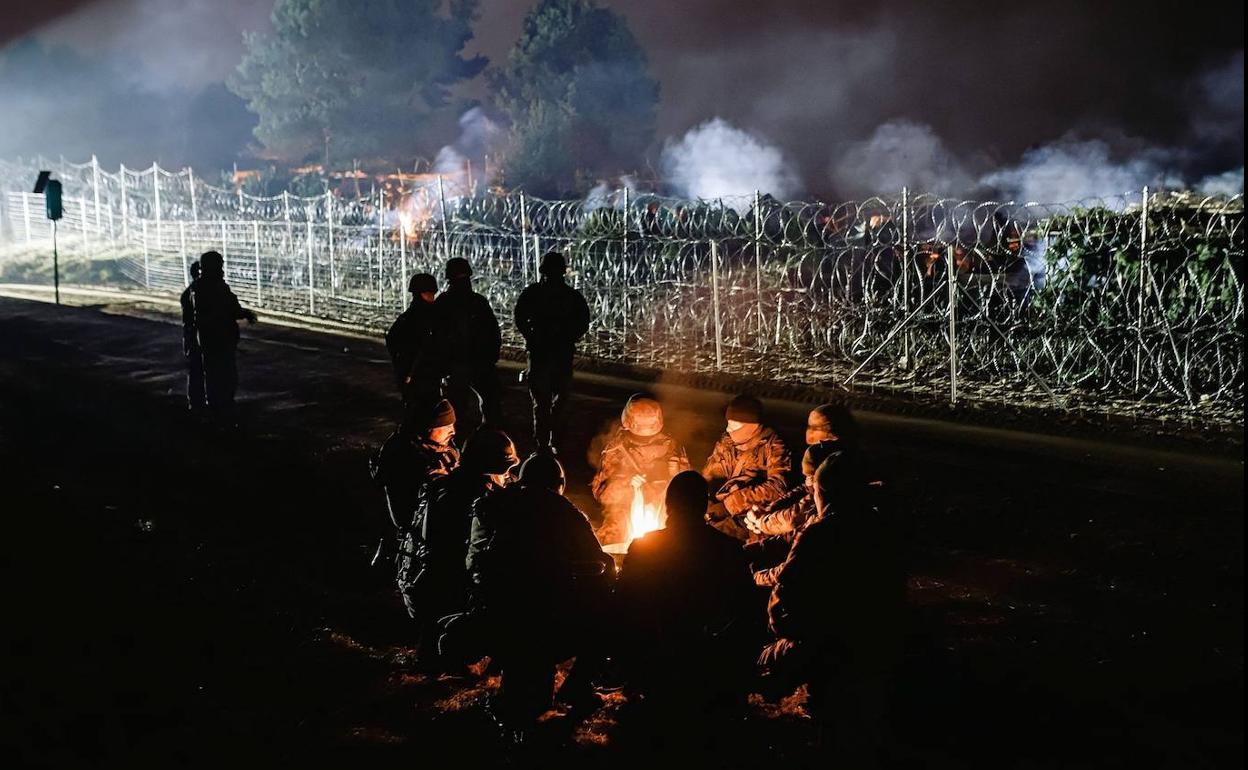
(643, 517)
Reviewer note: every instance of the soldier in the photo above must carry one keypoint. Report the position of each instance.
(190, 346)
(415, 455)
(767, 552)
(467, 339)
(541, 580)
(688, 616)
(639, 455)
(827, 422)
(836, 610)
(410, 344)
(216, 315)
(746, 468)
(551, 316)
(441, 537)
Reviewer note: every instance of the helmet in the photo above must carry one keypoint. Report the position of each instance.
(746, 409)
(458, 267)
(687, 497)
(553, 263)
(543, 470)
(491, 451)
(642, 415)
(421, 283)
(212, 262)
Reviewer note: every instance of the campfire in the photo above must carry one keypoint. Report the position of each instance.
(643, 517)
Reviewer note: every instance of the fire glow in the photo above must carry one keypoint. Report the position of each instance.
(643, 517)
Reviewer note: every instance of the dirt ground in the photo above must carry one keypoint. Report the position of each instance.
(177, 596)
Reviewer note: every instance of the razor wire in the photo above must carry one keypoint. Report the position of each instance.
(1128, 304)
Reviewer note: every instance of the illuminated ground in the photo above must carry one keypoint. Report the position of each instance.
(179, 597)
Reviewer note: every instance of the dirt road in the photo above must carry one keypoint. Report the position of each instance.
(179, 596)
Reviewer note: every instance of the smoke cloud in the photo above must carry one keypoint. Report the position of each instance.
(717, 160)
(478, 138)
(900, 154)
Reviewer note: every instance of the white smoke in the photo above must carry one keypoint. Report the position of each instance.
(717, 160)
(604, 194)
(1073, 170)
(478, 136)
(1227, 183)
(900, 154)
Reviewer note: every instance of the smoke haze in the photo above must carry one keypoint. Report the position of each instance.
(717, 160)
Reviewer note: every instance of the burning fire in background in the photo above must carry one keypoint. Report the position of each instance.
(643, 517)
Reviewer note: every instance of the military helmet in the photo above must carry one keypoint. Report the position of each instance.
(542, 470)
(421, 283)
(642, 415)
(553, 263)
(458, 267)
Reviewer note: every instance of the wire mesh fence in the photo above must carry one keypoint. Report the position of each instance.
(1132, 304)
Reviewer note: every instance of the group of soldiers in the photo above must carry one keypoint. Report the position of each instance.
(758, 581)
(210, 315)
(754, 584)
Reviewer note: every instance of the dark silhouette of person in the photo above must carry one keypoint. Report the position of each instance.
(412, 457)
(552, 317)
(837, 610)
(195, 398)
(468, 340)
(443, 529)
(541, 580)
(689, 622)
(410, 344)
(217, 313)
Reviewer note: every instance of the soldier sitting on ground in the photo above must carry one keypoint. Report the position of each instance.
(541, 581)
(747, 467)
(827, 422)
(689, 623)
(639, 455)
(441, 533)
(837, 611)
(419, 452)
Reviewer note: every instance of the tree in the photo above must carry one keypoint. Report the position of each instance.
(358, 77)
(579, 97)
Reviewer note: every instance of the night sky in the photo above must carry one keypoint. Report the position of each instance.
(990, 79)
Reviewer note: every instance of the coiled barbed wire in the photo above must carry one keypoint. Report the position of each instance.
(1133, 303)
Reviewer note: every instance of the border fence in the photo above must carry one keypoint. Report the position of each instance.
(1131, 305)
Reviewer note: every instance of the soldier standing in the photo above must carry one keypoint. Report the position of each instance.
(217, 313)
(551, 316)
(190, 346)
(468, 340)
(410, 344)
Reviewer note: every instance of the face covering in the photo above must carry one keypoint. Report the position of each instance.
(743, 434)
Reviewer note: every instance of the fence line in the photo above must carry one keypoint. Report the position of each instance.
(1132, 303)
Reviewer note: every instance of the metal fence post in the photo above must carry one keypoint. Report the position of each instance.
(147, 283)
(26, 214)
(255, 239)
(95, 190)
(156, 200)
(82, 203)
(758, 267)
(537, 250)
(186, 268)
(290, 233)
(524, 240)
(190, 183)
(446, 235)
(329, 220)
(225, 251)
(1139, 312)
(402, 266)
(627, 279)
(381, 236)
(719, 336)
(904, 261)
(952, 280)
(125, 211)
(311, 276)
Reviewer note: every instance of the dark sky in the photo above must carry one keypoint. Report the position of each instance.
(991, 79)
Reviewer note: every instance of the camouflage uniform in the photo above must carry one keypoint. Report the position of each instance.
(748, 474)
(625, 455)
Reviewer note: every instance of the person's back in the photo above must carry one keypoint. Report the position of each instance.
(552, 317)
(466, 329)
(409, 340)
(689, 619)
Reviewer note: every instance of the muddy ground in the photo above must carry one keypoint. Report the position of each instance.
(176, 596)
